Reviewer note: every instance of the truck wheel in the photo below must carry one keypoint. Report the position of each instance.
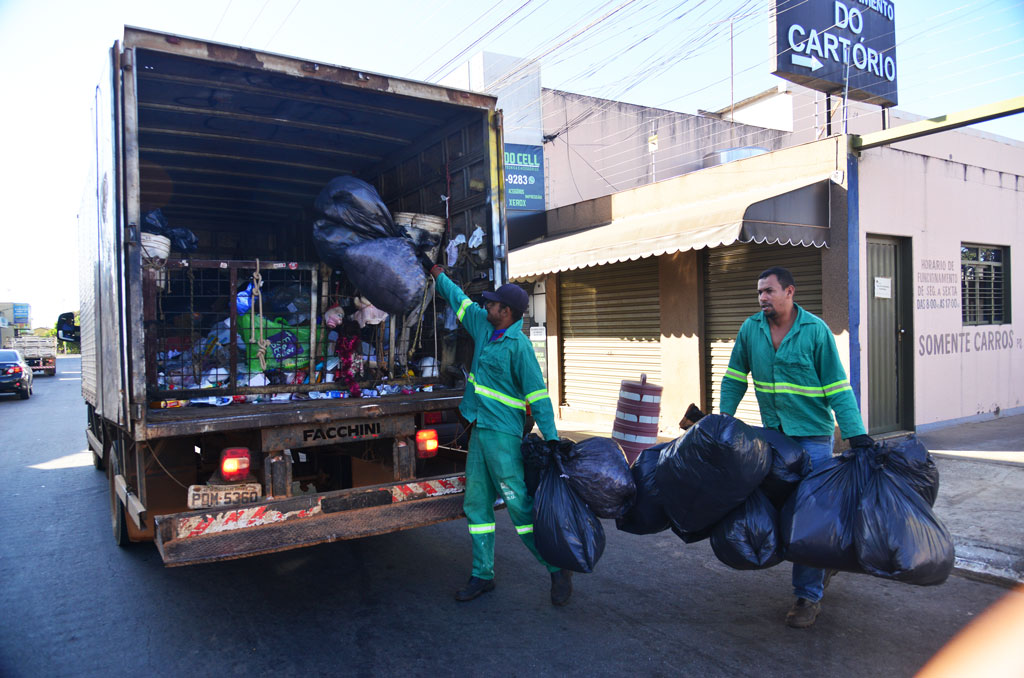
(117, 516)
(52, 372)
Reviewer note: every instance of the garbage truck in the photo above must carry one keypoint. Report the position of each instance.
(243, 395)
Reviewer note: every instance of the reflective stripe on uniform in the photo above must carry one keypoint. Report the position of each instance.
(481, 528)
(798, 389)
(536, 395)
(735, 374)
(524, 529)
(462, 309)
(502, 398)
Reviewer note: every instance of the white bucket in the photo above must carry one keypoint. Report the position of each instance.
(428, 368)
(155, 246)
(425, 222)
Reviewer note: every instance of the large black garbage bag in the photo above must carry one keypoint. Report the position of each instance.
(387, 272)
(182, 239)
(598, 471)
(331, 239)
(567, 533)
(896, 534)
(536, 457)
(694, 537)
(354, 203)
(646, 515)
(790, 463)
(909, 458)
(710, 471)
(747, 538)
(818, 522)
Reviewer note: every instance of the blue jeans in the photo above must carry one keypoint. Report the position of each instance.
(807, 581)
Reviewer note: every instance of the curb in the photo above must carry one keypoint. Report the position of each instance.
(1001, 564)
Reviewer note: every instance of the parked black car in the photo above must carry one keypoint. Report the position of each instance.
(15, 374)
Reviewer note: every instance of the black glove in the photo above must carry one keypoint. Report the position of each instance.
(861, 441)
(425, 262)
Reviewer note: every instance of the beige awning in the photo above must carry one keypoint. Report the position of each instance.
(780, 197)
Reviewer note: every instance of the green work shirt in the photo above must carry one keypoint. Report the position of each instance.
(800, 385)
(504, 375)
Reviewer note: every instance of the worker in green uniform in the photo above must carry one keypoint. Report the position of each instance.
(799, 382)
(504, 379)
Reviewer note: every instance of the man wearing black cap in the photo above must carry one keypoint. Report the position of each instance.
(504, 380)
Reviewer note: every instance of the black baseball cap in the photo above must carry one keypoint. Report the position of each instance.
(511, 295)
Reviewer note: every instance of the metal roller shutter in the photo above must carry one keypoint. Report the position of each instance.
(730, 297)
(611, 330)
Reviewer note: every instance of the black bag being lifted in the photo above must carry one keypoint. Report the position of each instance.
(598, 471)
(387, 272)
(647, 515)
(565, 531)
(710, 471)
(908, 458)
(747, 538)
(790, 464)
(355, 204)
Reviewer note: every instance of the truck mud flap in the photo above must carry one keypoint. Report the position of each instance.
(207, 536)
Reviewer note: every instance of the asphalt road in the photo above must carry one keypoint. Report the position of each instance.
(74, 604)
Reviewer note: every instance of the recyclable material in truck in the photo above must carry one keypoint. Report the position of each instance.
(245, 392)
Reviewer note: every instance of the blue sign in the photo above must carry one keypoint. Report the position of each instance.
(524, 177)
(828, 44)
(22, 314)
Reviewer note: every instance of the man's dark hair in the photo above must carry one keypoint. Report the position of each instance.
(516, 315)
(783, 275)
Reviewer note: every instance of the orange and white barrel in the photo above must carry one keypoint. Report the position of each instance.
(636, 417)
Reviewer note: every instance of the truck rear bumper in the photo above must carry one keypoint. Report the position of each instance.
(278, 525)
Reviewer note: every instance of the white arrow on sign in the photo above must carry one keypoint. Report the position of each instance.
(810, 62)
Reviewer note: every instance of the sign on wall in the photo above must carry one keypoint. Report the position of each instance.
(524, 177)
(819, 42)
(22, 315)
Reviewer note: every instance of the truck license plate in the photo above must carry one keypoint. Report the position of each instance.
(211, 496)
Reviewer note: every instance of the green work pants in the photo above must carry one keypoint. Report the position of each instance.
(495, 468)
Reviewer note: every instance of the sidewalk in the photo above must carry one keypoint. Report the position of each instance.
(981, 491)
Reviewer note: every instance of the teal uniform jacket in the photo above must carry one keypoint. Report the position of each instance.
(504, 376)
(797, 387)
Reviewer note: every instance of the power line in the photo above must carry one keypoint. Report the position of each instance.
(253, 24)
(283, 22)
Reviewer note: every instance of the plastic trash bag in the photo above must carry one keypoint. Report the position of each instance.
(896, 533)
(747, 538)
(331, 239)
(387, 272)
(155, 222)
(693, 537)
(536, 457)
(353, 203)
(909, 458)
(646, 515)
(567, 533)
(790, 464)
(817, 523)
(599, 472)
(182, 239)
(288, 301)
(710, 471)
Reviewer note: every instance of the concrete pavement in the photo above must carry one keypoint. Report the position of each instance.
(981, 491)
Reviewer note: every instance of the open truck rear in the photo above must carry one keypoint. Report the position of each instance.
(233, 146)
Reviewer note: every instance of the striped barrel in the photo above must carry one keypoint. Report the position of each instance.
(636, 417)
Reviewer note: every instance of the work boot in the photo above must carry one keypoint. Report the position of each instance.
(561, 587)
(473, 588)
(802, 614)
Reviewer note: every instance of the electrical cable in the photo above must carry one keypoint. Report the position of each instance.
(283, 22)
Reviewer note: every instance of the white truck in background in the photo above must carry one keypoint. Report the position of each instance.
(39, 352)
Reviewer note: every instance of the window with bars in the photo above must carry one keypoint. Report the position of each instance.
(984, 278)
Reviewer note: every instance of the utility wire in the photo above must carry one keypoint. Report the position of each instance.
(283, 22)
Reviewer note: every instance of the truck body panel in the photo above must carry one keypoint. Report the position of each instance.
(234, 146)
(39, 352)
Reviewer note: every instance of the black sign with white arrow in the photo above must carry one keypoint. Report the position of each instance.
(821, 43)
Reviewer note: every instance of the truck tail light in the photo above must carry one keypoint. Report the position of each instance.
(426, 443)
(431, 418)
(234, 464)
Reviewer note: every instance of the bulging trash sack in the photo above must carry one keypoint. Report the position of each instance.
(710, 471)
(387, 272)
(567, 533)
(747, 538)
(896, 533)
(331, 239)
(354, 203)
(536, 457)
(817, 523)
(790, 463)
(598, 471)
(909, 458)
(646, 515)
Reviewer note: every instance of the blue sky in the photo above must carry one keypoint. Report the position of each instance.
(952, 55)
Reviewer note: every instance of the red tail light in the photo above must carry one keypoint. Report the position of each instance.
(426, 443)
(234, 464)
(430, 418)
(14, 369)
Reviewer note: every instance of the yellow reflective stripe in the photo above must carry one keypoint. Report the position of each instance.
(524, 529)
(481, 528)
(506, 400)
(462, 309)
(736, 374)
(536, 395)
(837, 387)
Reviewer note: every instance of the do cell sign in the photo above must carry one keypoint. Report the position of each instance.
(819, 42)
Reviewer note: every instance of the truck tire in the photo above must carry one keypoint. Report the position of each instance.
(118, 519)
(52, 372)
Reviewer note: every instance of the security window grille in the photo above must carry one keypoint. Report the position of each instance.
(984, 272)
